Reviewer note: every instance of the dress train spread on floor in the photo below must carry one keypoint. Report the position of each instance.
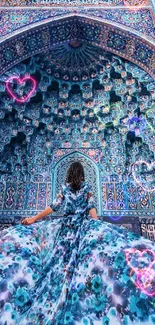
(76, 271)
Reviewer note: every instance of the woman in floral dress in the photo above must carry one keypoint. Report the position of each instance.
(75, 270)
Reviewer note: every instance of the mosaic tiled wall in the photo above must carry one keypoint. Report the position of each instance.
(124, 43)
(140, 22)
(75, 2)
(80, 98)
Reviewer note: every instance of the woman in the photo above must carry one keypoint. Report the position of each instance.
(81, 203)
(76, 270)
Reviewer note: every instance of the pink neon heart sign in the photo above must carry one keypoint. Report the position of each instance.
(21, 81)
(145, 276)
(149, 287)
(144, 280)
(140, 182)
(133, 255)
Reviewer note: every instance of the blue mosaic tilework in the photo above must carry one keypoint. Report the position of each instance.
(141, 21)
(20, 196)
(31, 196)
(38, 3)
(48, 193)
(42, 196)
(1, 195)
(87, 99)
(10, 196)
(120, 196)
(119, 42)
(111, 204)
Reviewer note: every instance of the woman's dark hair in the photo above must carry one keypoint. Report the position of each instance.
(75, 175)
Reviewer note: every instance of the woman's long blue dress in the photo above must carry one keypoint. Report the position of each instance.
(76, 270)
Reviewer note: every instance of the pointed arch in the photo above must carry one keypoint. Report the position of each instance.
(56, 32)
(92, 175)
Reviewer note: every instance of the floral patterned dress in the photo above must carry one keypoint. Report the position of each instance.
(76, 270)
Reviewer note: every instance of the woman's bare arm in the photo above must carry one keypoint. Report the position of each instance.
(40, 215)
(43, 213)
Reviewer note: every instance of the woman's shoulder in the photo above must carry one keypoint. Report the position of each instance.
(85, 186)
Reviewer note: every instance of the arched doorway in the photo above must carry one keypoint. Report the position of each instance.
(91, 175)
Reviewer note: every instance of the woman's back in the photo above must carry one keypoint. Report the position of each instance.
(76, 201)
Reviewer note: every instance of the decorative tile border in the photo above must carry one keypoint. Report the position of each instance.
(71, 3)
(141, 21)
(111, 39)
(143, 216)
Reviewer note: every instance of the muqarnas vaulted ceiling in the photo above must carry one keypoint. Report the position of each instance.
(85, 98)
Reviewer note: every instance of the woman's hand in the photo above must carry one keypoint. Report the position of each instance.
(28, 221)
